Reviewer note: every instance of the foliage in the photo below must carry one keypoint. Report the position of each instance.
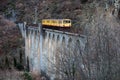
(100, 58)
(19, 66)
(27, 76)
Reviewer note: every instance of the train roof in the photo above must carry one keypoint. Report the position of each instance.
(56, 19)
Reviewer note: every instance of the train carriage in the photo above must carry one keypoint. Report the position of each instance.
(64, 23)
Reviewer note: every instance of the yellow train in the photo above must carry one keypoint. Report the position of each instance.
(64, 23)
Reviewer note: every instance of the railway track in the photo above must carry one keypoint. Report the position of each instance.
(63, 29)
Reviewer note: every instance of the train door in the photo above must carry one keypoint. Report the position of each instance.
(60, 23)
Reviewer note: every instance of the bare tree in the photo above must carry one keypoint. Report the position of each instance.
(102, 47)
(100, 59)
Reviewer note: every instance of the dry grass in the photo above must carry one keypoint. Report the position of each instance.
(18, 75)
(11, 75)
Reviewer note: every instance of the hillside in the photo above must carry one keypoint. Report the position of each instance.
(10, 50)
(9, 36)
(80, 12)
(98, 20)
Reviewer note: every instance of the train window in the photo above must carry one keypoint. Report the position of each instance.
(54, 21)
(66, 21)
(60, 22)
(47, 21)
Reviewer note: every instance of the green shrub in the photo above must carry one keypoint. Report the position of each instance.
(19, 66)
(27, 76)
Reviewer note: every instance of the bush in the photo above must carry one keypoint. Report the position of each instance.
(19, 66)
(27, 76)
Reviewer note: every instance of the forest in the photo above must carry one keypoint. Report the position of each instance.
(98, 20)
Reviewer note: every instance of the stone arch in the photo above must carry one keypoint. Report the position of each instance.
(57, 56)
(58, 41)
(69, 43)
(77, 43)
(53, 42)
(77, 46)
(58, 38)
(30, 32)
(53, 37)
(49, 39)
(62, 45)
(45, 35)
(70, 40)
(63, 40)
(49, 35)
(35, 34)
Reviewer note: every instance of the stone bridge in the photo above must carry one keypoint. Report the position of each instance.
(41, 46)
